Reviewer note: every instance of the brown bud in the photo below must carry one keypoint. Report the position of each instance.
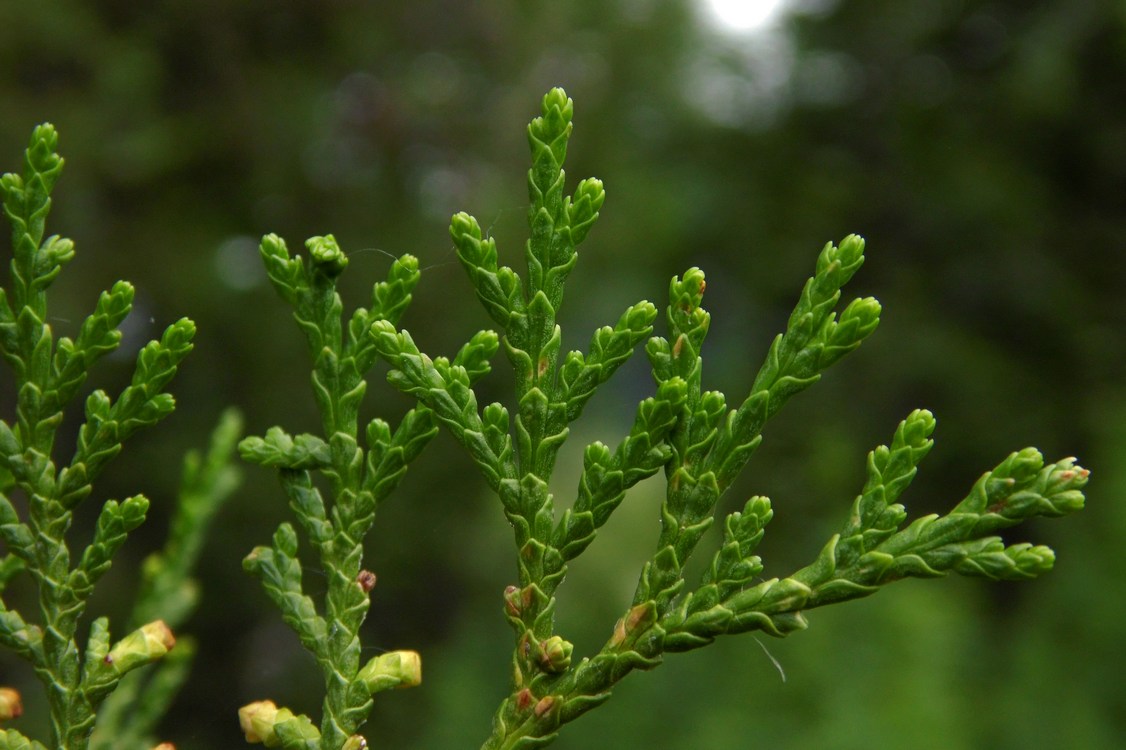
(512, 603)
(544, 705)
(366, 579)
(524, 647)
(639, 617)
(524, 699)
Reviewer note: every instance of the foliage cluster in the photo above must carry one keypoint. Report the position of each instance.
(683, 431)
(689, 434)
(977, 146)
(80, 674)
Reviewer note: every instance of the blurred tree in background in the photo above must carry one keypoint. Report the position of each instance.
(980, 147)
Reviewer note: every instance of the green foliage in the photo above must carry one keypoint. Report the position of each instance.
(692, 435)
(128, 717)
(701, 444)
(48, 375)
(360, 477)
(976, 145)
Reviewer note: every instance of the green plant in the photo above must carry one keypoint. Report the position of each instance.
(48, 374)
(699, 443)
(128, 717)
(690, 434)
(360, 476)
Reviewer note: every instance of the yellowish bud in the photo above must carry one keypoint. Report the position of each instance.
(165, 746)
(543, 705)
(260, 722)
(146, 644)
(555, 655)
(257, 722)
(395, 669)
(10, 704)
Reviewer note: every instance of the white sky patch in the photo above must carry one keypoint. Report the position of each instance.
(744, 16)
(740, 78)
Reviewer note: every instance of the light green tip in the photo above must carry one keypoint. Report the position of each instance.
(327, 255)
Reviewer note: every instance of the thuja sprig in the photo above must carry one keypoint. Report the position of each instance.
(359, 477)
(128, 717)
(700, 443)
(48, 374)
(548, 396)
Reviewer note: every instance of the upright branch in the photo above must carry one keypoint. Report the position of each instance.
(518, 458)
(700, 443)
(48, 375)
(128, 718)
(360, 475)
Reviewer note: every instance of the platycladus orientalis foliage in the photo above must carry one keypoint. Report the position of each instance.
(692, 436)
(87, 675)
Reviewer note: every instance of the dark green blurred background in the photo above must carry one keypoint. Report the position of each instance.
(980, 147)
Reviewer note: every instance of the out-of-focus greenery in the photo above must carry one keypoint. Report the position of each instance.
(979, 147)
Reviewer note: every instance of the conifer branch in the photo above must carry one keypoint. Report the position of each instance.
(702, 445)
(48, 374)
